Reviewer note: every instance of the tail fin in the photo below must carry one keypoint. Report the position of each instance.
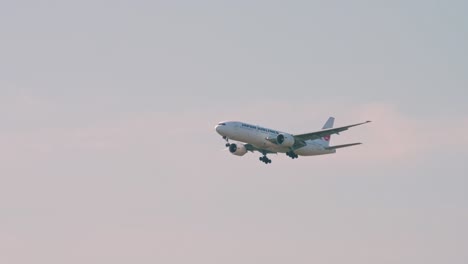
(328, 124)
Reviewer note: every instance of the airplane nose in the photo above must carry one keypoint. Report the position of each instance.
(219, 129)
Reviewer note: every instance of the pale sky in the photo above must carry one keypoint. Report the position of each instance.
(109, 153)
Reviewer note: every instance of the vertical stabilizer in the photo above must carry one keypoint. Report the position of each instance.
(328, 124)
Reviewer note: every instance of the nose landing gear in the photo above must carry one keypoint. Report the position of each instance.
(227, 141)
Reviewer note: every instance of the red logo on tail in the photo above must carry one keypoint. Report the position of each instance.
(326, 138)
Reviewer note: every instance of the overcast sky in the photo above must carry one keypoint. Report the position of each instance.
(109, 155)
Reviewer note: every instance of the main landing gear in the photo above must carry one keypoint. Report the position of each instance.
(292, 155)
(264, 159)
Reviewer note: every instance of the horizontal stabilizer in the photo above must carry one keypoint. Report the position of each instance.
(343, 146)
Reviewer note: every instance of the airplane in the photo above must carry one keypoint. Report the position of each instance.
(270, 141)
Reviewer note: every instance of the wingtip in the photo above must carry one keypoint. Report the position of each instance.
(368, 121)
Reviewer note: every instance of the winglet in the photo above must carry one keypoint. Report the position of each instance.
(329, 123)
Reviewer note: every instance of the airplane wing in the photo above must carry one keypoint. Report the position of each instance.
(272, 140)
(325, 132)
(253, 148)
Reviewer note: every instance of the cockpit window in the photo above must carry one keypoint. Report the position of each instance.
(222, 124)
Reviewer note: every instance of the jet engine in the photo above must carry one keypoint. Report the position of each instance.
(238, 150)
(285, 140)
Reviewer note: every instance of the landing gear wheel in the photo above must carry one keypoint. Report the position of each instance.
(292, 155)
(265, 160)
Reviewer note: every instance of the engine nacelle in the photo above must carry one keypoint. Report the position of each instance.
(285, 140)
(238, 150)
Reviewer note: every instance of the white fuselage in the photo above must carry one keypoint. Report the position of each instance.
(257, 136)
